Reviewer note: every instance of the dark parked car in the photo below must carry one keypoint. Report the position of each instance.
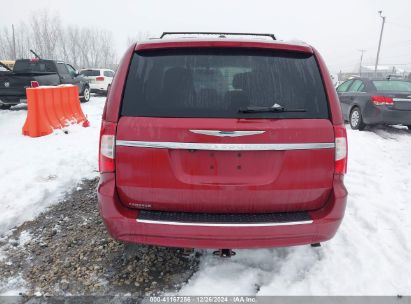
(38, 72)
(375, 101)
(222, 143)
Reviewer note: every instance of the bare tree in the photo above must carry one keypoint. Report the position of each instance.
(45, 33)
(139, 37)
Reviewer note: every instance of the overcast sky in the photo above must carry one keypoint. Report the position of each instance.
(338, 29)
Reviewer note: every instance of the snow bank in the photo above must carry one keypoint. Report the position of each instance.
(35, 172)
(371, 253)
(14, 288)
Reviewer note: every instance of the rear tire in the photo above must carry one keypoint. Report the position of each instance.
(356, 121)
(5, 107)
(86, 95)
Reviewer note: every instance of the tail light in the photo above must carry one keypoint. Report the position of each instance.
(100, 78)
(341, 149)
(382, 100)
(34, 84)
(107, 147)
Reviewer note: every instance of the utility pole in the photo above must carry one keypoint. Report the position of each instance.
(14, 43)
(362, 53)
(379, 43)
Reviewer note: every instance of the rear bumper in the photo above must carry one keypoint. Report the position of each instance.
(12, 100)
(98, 87)
(385, 115)
(122, 225)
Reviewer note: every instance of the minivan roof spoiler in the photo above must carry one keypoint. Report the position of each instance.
(222, 35)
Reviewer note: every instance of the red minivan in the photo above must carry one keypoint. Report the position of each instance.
(222, 143)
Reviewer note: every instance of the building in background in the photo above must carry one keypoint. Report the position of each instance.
(383, 71)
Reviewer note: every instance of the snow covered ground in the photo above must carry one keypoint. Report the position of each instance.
(370, 255)
(35, 172)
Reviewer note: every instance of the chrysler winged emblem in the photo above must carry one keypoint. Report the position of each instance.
(7, 84)
(226, 133)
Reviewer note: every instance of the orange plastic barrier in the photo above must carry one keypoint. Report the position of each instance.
(51, 108)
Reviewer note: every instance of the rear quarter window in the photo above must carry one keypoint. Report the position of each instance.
(218, 82)
(38, 66)
(344, 86)
(91, 73)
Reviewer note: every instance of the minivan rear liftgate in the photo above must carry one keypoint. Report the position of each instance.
(279, 169)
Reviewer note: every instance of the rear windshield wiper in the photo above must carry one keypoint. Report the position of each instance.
(275, 108)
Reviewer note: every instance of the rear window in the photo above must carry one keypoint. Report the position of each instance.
(34, 66)
(90, 73)
(218, 82)
(392, 85)
(344, 86)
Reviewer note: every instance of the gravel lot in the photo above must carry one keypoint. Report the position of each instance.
(67, 251)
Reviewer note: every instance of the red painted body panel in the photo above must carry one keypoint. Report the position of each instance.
(333, 101)
(224, 181)
(208, 181)
(113, 102)
(122, 225)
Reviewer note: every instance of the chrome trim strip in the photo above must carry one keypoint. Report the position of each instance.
(402, 99)
(223, 147)
(222, 133)
(224, 224)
